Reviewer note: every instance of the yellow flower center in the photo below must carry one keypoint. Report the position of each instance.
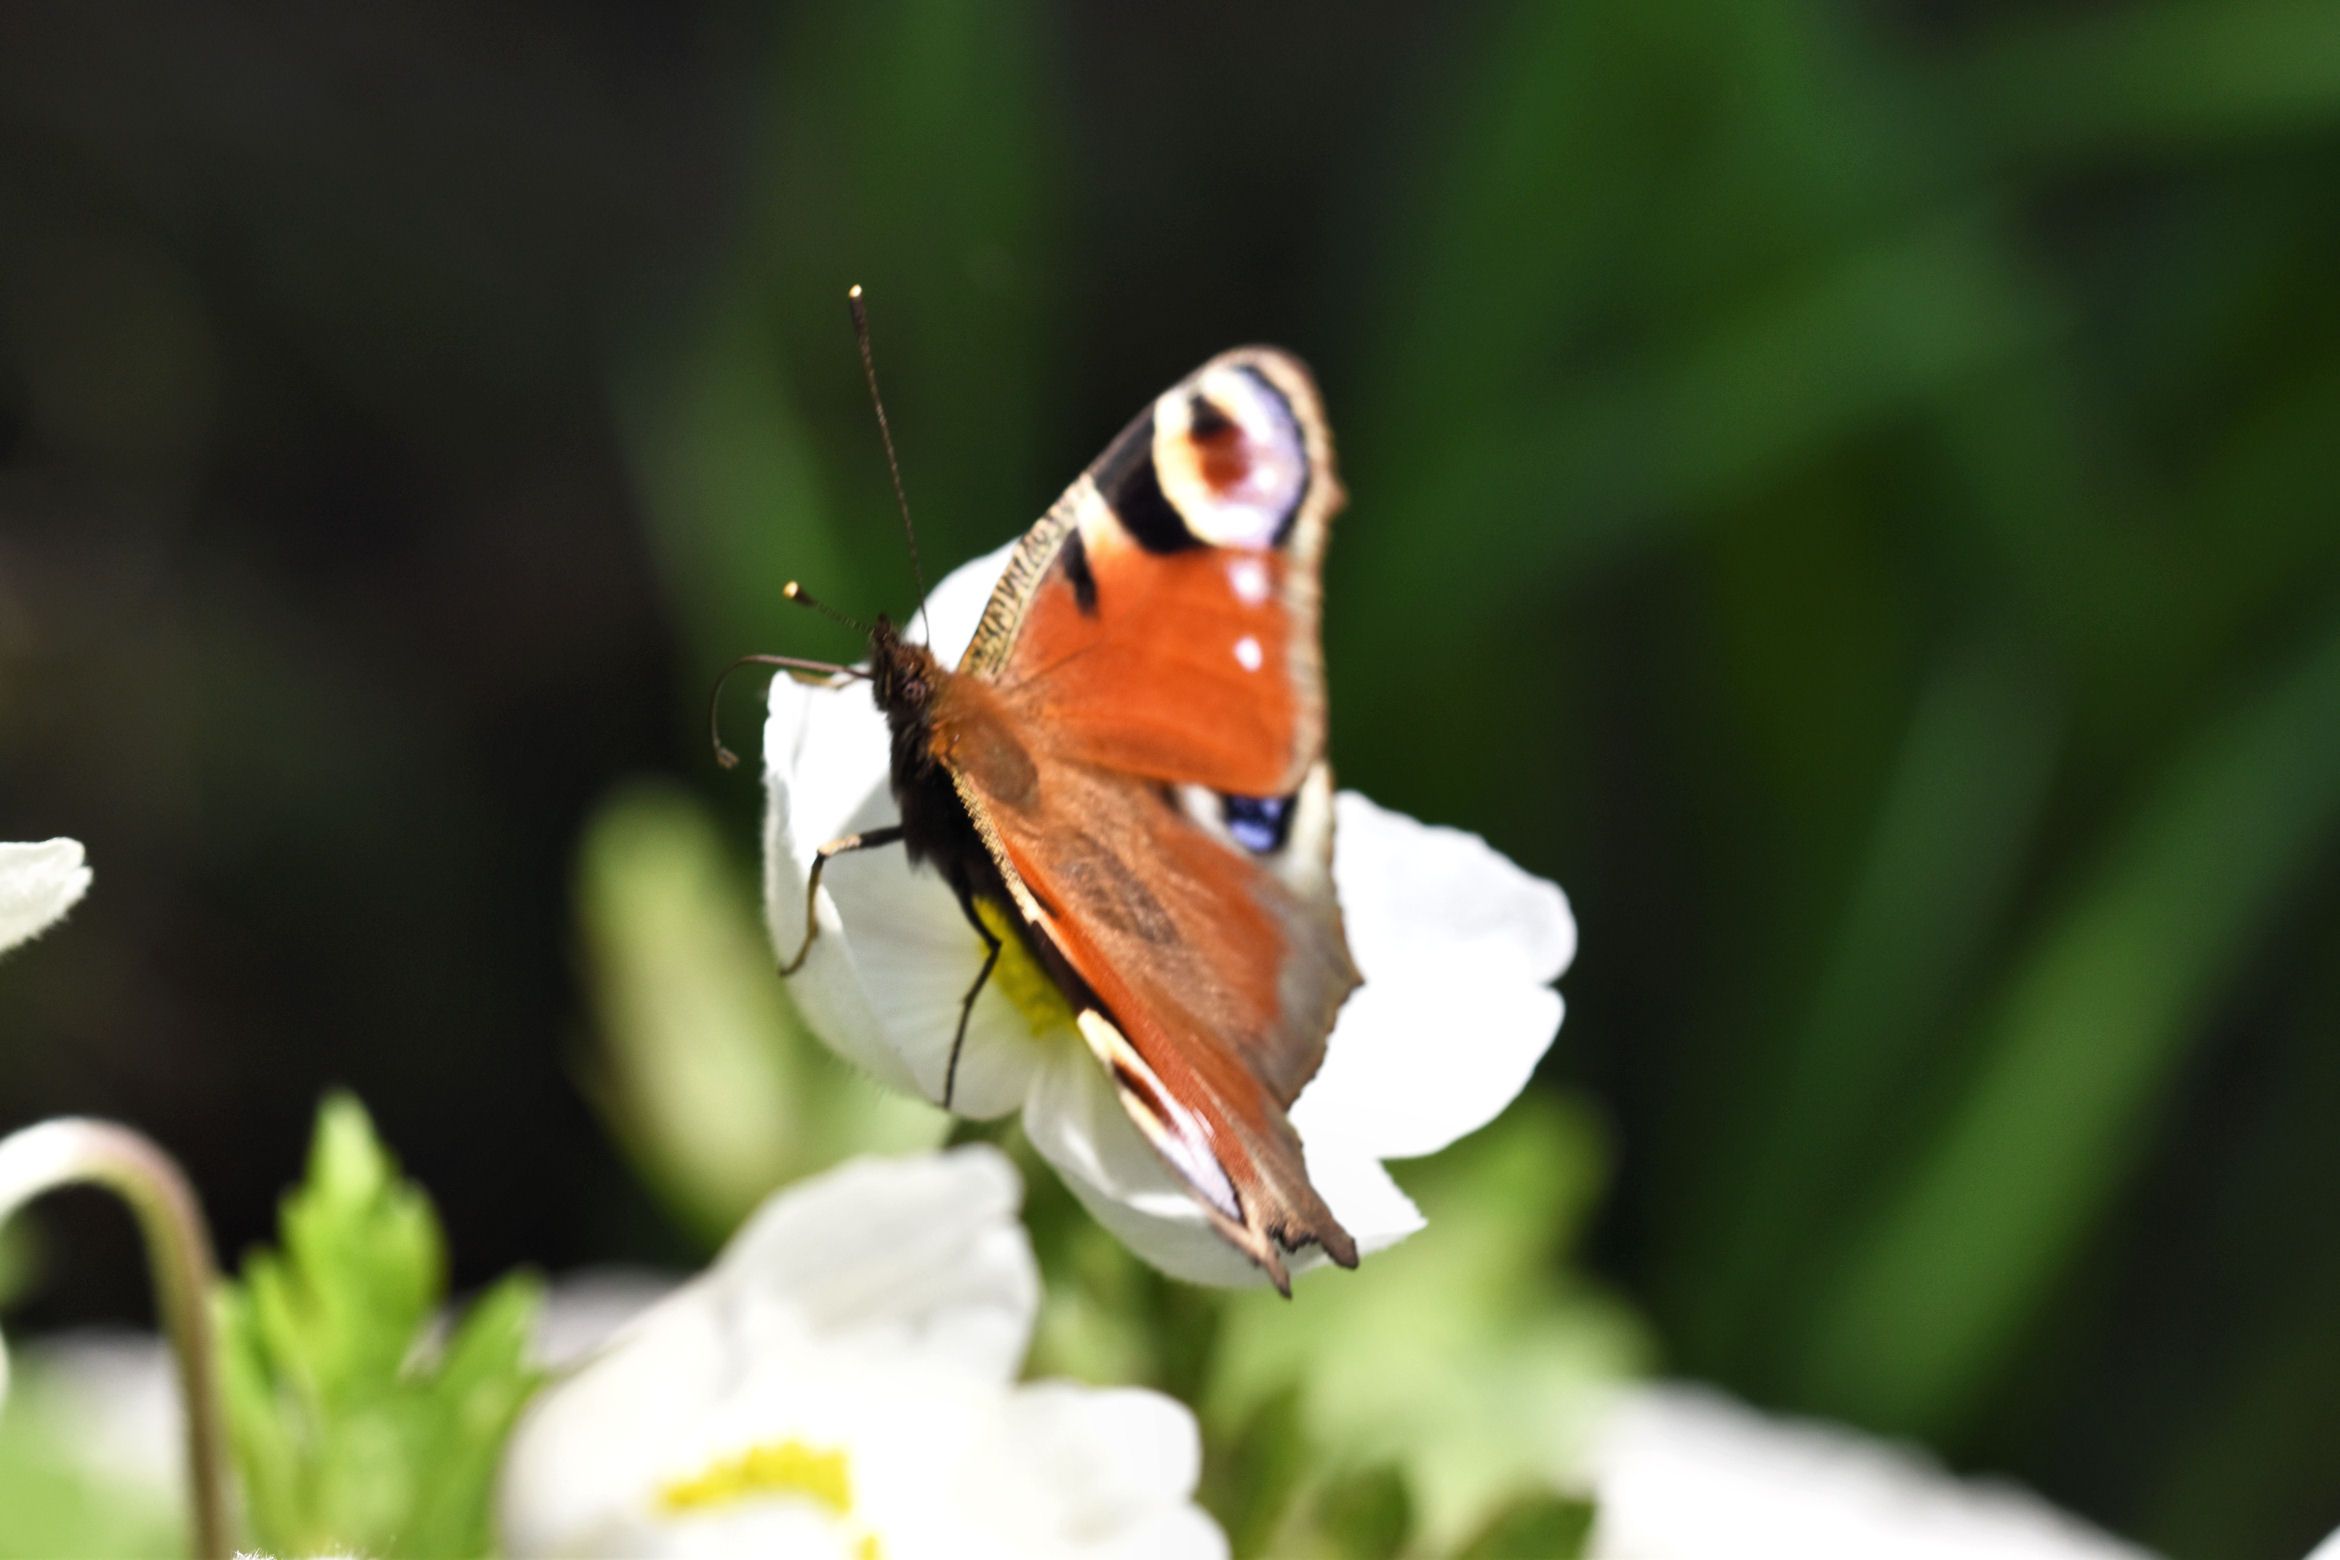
(1019, 977)
(820, 1474)
(823, 1475)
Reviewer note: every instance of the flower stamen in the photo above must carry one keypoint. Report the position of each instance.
(823, 1475)
(1019, 977)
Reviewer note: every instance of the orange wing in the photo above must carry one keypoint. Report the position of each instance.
(1152, 648)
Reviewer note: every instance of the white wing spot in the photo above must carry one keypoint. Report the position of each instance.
(1249, 576)
(1248, 652)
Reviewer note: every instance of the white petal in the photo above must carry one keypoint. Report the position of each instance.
(1051, 1472)
(827, 746)
(1457, 946)
(1681, 1474)
(917, 959)
(824, 776)
(1113, 1451)
(1415, 896)
(1123, 1465)
(918, 1256)
(38, 884)
(1416, 1062)
(1079, 1127)
(1172, 1533)
(585, 1309)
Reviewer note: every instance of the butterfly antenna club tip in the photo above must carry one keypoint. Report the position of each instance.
(796, 593)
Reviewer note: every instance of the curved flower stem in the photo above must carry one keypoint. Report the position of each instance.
(72, 1151)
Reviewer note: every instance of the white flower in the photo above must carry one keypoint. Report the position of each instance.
(1458, 948)
(1683, 1473)
(841, 1383)
(109, 1408)
(38, 884)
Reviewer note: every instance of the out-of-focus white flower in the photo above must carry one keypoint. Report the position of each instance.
(38, 884)
(109, 1399)
(2329, 1549)
(1458, 948)
(1683, 1473)
(841, 1383)
(584, 1310)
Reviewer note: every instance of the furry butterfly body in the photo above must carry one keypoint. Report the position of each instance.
(1129, 761)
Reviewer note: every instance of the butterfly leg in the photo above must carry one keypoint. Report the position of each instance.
(967, 1007)
(868, 840)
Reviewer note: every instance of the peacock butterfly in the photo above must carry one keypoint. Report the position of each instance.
(1130, 758)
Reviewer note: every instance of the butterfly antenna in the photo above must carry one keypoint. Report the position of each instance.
(787, 663)
(853, 301)
(804, 598)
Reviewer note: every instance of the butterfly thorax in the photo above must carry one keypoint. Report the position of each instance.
(904, 679)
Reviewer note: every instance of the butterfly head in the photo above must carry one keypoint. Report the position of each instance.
(903, 674)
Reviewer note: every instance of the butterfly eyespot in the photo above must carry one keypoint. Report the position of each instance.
(1230, 458)
(1223, 454)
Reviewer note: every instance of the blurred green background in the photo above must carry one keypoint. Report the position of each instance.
(1848, 490)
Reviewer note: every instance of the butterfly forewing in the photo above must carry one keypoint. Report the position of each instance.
(1163, 616)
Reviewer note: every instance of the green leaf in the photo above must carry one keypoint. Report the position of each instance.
(702, 1069)
(1547, 1527)
(1369, 1514)
(354, 1429)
